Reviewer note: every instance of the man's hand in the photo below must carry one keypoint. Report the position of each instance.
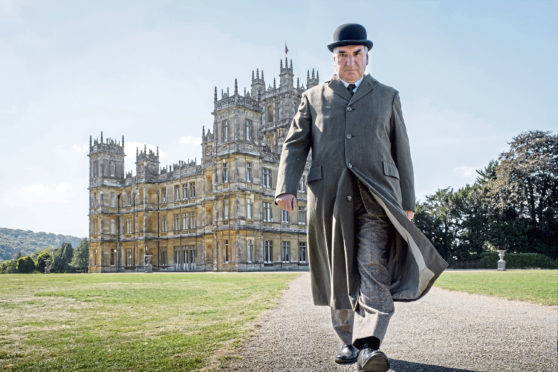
(286, 202)
(410, 214)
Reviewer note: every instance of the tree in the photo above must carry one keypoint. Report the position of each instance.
(80, 262)
(470, 218)
(62, 258)
(41, 258)
(12, 267)
(524, 195)
(433, 217)
(5, 267)
(25, 265)
(487, 174)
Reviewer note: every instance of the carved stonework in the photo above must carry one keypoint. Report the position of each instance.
(159, 209)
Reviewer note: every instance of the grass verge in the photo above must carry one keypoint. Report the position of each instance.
(129, 322)
(537, 286)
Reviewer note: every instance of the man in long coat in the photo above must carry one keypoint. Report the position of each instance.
(364, 250)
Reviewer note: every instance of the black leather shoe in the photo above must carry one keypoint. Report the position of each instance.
(347, 355)
(372, 360)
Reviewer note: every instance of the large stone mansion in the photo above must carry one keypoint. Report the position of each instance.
(215, 216)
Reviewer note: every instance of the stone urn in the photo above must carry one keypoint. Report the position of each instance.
(147, 263)
(48, 264)
(501, 262)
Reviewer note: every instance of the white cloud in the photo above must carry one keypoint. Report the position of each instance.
(189, 140)
(39, 193)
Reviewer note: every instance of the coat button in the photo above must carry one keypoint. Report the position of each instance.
(349, 136)
(349, 197)
(349, 165)
(349, 108)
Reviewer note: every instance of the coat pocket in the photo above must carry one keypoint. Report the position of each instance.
(390, 169)
(315, 173)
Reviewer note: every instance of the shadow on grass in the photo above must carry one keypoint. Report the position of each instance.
(404, 366)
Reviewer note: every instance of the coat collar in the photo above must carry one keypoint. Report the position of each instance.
(368, 84)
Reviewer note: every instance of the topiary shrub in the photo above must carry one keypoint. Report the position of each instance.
(25, 265)
(41, 261)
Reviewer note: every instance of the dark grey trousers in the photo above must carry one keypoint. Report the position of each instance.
(373, 232)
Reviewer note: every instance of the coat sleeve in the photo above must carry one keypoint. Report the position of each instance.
(295, 150)
(401, 154)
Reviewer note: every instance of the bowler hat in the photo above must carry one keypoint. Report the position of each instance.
(349, 34)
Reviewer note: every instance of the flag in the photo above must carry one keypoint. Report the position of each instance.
(286, 49)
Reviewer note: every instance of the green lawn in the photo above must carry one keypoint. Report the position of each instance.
(538, 286)
(129, 322)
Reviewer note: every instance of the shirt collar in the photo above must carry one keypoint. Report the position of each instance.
(356, 84)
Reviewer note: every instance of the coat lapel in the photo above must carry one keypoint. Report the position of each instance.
(338, 88)
(368, 84)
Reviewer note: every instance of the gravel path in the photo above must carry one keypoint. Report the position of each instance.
(445, 331)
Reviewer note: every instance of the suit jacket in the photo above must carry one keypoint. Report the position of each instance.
(360, 136)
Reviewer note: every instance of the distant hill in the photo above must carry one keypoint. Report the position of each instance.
(28, 242)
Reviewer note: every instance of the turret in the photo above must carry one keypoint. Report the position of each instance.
(286, 75)
(258, 85)
(106, 161)
(312, 81)
(147, 164)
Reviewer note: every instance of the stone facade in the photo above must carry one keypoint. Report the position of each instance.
(215, 216)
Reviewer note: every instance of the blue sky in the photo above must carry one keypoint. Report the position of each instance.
(471, 74)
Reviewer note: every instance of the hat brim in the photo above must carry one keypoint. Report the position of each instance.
(367, 43)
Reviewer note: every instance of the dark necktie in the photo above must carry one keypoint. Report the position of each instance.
(351, 88)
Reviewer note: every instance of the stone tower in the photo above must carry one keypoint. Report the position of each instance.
(258, 85)
(147, 165)
(313, 80)
(106, 162)
(286, 75)
(215, 216)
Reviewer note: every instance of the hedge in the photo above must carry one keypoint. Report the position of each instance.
(489, 260)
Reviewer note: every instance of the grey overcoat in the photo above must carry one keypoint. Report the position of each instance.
(362, 136)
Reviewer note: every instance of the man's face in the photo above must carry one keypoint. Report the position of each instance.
(350, 62)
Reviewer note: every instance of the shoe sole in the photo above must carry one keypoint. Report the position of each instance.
(377, 363)
(350, 361)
